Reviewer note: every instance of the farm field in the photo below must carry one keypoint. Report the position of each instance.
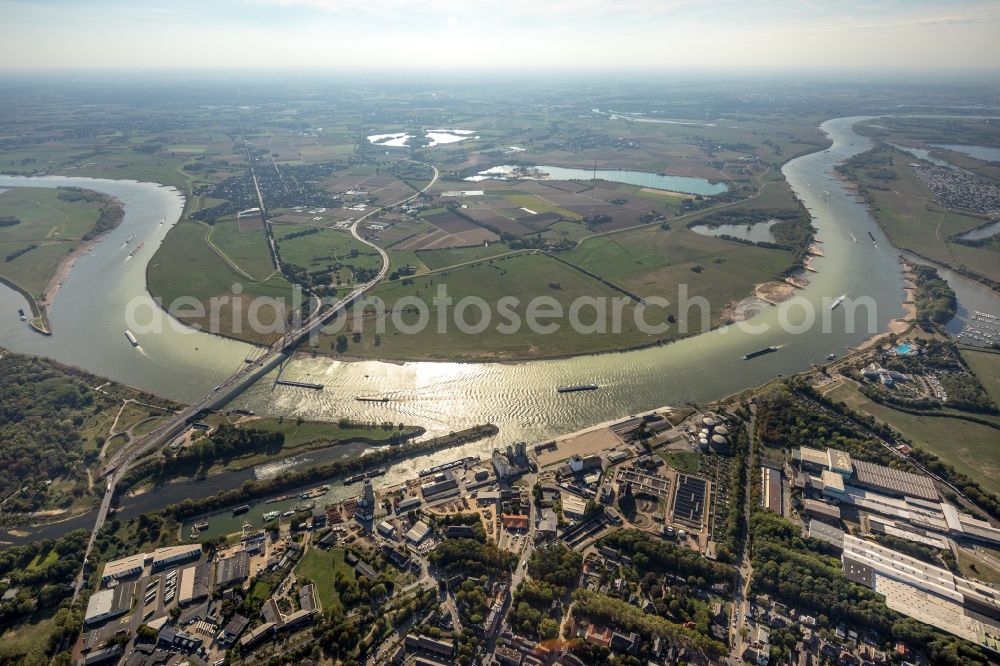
(443, 258)
(652, 261)
(55, 226)
(986, 366)
(325, 250)
(185, 266)
(246, 248)
(523, 277)
(968, 447)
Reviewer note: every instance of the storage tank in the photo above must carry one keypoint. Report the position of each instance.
(719, 440)
(708, 422)
(722, 430)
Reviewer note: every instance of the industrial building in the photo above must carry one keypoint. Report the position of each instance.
(833, 460)
(232, 570)
(865, 561)
(823, 511)
(364, 510)
(833, 484)
(257, 635)
(458, 532)
(165, 557)
(939, 517)
(548, 524)
(386, 529)
(903, 530)
(439, 483)
(689, 500)
(834, 463)
(573, 506)
(107, 604)
(307, 597)
(771, 484)
(484, 497)
(926, 592)
(893, 481)
(418, 532)
(578, 465)
(408, 504)
(193, 584)
(236, 626)
(826, 532)
(124, 567)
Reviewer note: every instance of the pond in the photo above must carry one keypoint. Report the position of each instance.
(685, 184)
(436, 137)
(757, 233)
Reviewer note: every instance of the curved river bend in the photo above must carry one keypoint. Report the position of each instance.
(88, 315)
(88, 323)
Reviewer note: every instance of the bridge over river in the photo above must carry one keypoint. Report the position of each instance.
(118, 465)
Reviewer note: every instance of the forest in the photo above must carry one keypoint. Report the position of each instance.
(44, 410)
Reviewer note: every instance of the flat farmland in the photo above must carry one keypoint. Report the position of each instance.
(651, 261)
(185, 266)
(384, 187)
(401, 230)
(54, 226)
(327, 248)
(438, 259)
(449, 230)
(450, 222)
(522, 276)
(986, 366)
(283, 151)
(504, 220)
(246, 248)
(541, 204)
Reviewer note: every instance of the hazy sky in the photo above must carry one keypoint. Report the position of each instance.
(728, 35)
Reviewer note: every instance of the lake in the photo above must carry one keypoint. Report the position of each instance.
(985, 153)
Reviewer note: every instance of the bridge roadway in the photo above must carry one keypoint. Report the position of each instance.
(235, 384)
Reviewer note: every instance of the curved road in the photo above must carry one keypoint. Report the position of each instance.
(119, 464)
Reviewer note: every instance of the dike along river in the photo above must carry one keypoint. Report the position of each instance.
(88, 315)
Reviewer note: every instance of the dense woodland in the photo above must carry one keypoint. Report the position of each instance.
(935, 300)
(44, 408)
(111, 212)
(536, 610)
(787, 420)
(660, 557)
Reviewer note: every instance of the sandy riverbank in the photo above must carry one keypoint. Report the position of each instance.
(62, 270)
(899, 325)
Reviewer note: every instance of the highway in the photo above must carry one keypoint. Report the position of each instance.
(235, 384)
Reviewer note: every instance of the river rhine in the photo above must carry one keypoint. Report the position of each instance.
(88, 315)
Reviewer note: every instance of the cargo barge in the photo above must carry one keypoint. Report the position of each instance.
(759, 352)
(580, 387)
